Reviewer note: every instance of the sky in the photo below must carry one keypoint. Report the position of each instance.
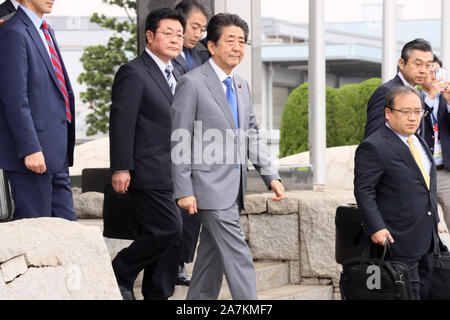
(290, 10)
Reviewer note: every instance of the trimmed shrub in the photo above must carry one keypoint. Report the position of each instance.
(346, 116)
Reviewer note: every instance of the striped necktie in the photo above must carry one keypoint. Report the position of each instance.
(170, 78)
(58, 69)
(416, 154)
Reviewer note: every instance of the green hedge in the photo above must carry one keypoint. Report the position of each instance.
(346, 116)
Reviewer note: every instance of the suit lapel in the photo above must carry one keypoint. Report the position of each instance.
(215, 87)
(403, 151)
(39, 45)
(241, 102)
(156, 74)
(180, 60)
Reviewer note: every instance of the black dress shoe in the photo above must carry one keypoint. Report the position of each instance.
(183, 277)
(127, 294)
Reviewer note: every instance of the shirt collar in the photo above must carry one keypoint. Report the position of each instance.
(404, 139)
(15, 4)
(161, 65)
(400, 74)
(220, 73)
(33, 17)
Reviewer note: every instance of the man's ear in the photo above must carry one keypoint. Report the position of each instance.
(149, 36)
(401, 64)
(387, 113)
(211, 47)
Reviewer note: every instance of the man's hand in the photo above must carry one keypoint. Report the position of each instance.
(446, 93)
(436, 86)
(380, 237)
(1, 21)
(189, 204)
(278, 189)
(121, 181)
(36, 162)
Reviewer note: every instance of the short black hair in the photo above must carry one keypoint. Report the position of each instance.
(186, 7)
(437, 60)
(417, 44)
(222, 20)
(155, 17)
(397, 91)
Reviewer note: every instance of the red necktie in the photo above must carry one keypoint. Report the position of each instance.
(58, 69)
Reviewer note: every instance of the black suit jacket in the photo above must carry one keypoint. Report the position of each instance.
(392, 194)
(6, 8)
(444, 130)
(375, 108)
(198, 56)
(140, 125)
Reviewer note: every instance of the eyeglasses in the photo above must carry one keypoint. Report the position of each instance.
(170, 35)
(409, 112)
(421, 65)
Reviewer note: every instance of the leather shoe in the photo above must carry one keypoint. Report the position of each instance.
(183, 278)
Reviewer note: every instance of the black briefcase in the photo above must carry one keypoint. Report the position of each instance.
(6, 203)
(119, 216)
(348, 233)
(375, 278)
(440, 280)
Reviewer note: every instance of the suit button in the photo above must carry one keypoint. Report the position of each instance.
(63, 121)
(429, 213)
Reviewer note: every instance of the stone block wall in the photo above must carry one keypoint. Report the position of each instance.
(300, 230)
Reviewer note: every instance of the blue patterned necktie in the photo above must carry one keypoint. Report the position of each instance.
(188, 58)
(170, 78)
(232, 100)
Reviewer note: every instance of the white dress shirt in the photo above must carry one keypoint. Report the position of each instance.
(222, 75)
(162, 66)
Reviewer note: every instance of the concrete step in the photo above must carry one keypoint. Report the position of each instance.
(272, 278)
(297, 292)
(269, 275)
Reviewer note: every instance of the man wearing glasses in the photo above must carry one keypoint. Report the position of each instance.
(415, 64)
(140, 124)
(435, 130)
(395, 187)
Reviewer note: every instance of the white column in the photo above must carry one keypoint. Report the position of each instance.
(445, 33)
(390, 56)
(317, 91)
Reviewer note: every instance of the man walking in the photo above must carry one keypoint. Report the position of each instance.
(213, 104)
(140, 157)
(395, 188)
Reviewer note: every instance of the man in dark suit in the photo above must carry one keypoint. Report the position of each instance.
(415, 63)
(395, 187)
(436, 132)
(140, 125)
(196, 16)
(37, 118)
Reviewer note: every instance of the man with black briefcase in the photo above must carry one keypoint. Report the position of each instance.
(395, 188)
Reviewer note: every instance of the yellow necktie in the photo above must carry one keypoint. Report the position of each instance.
(416, 154)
